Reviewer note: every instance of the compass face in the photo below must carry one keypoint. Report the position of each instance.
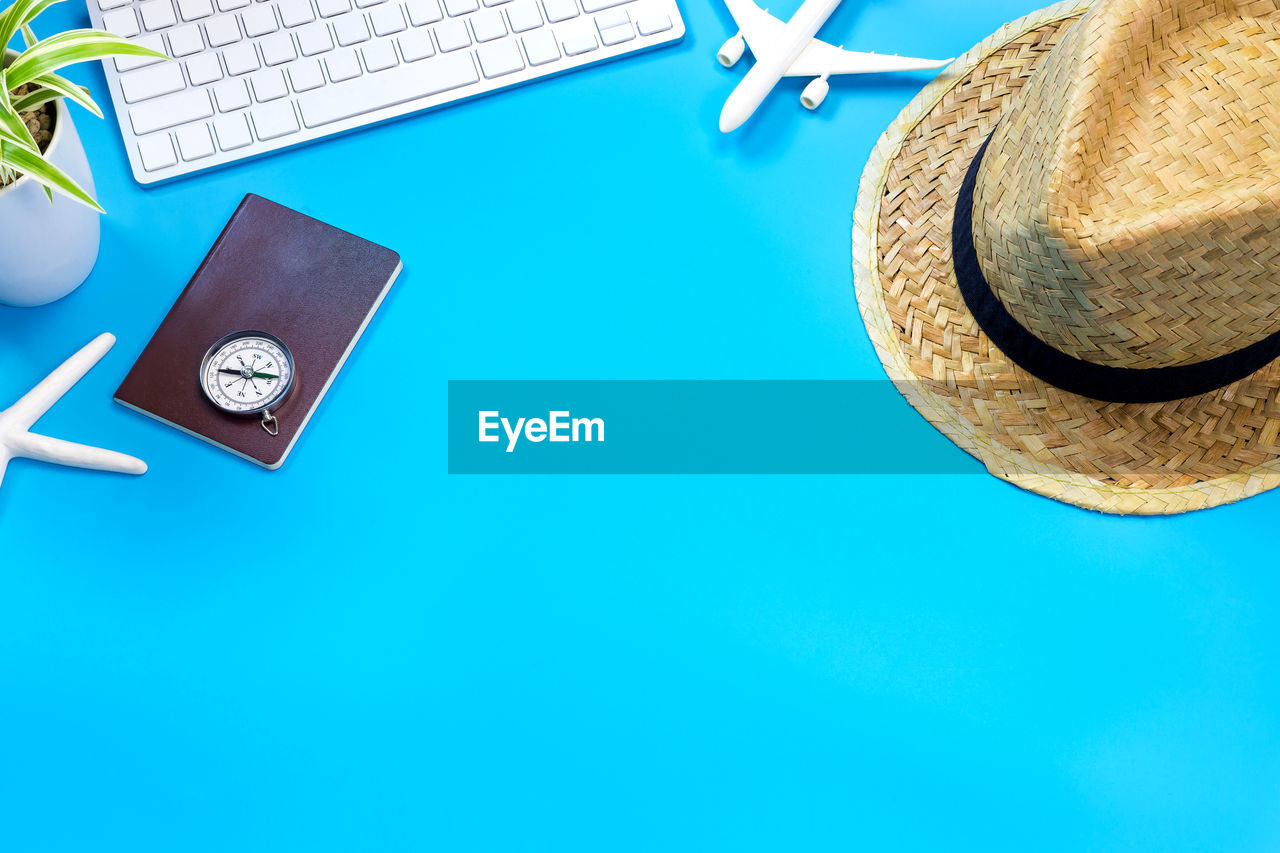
(247, 372)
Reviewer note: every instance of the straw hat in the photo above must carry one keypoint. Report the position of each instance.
(1067, 253)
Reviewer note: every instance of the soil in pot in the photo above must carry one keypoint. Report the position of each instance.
(39, 121)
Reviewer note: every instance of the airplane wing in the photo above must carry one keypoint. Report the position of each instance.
(821, 58)
(760, 29)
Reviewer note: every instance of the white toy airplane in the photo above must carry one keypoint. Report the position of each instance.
(790, 50)
(15, 421)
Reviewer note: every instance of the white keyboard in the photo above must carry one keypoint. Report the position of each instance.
(253, 76)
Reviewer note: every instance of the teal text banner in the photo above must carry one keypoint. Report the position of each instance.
(691, 427)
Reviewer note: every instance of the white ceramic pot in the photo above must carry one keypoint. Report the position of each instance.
(48, 249)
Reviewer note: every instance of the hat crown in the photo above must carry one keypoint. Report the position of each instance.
(1127, 209)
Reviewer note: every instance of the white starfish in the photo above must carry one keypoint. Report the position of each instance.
(15, 422)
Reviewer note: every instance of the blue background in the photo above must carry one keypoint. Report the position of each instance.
(422, 662)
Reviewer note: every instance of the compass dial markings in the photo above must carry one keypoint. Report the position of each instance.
(247, 388)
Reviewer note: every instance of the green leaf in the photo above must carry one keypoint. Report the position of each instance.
(69, 48)
(34, 99)
(12, 129)
(52, 87)
(7, 135)
(11, 124)
(50, 176)
(21, 13)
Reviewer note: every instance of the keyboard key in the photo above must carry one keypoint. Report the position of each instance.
(232, 131)
(185, 40)
(460, 7)
(363, 4)
(611, 18)
(314, 38)
(342, 65)
(231, 95)
(387, 20)
(618, 34)
(122, 22)
(350, 29)
(222, 31)
(204, 69)
(541, 47)
(650, 24)
(498, 58)
(194, 10)
(152, 83)
(488, 25)
(422, 12)
(495, 2)
(524, 16)
(274, 120)
(194, 141)
(593, 6)
(104, 5)
(268, 85)
(415, 45)
(306, 75)
(157, 152)
(329, 8)
(579, 44)
(157, 14)
(174, 110)
(277, 49)
(258, 21)
(380, 56)
(406, 83)
(129, 63)
(560, 10)
(452, 35)
(231, 5)
(295, 13)
(241, 58)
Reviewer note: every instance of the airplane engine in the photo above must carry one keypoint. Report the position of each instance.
(815, 93)
(731, 51)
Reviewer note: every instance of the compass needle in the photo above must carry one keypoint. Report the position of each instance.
(248, 390)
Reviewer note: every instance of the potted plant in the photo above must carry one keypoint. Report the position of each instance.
(49, 226)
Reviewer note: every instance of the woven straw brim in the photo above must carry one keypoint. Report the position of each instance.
(1150, 459)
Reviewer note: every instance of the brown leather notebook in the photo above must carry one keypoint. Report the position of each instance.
(274, 270)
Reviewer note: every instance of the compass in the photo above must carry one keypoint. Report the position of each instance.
(247, 374)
